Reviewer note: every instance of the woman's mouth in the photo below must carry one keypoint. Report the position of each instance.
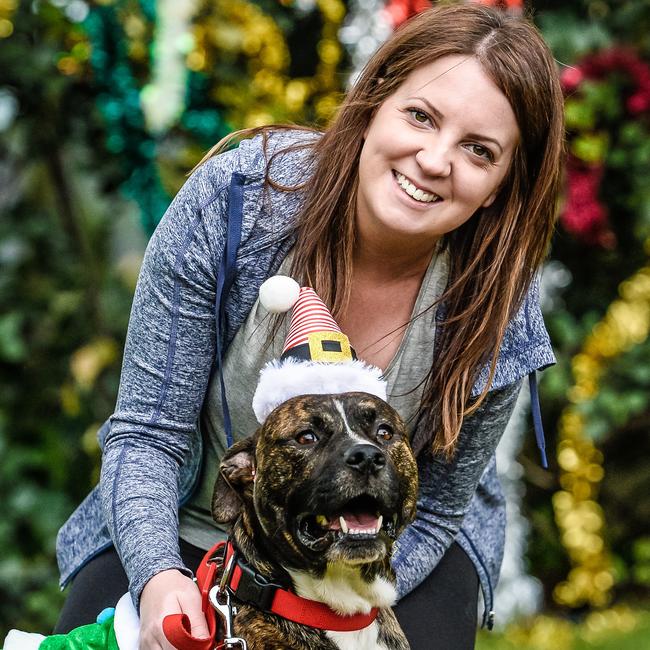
(414, 192)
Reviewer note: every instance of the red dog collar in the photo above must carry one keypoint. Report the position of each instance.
(247, 586)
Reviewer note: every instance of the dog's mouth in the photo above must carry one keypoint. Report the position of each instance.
(360, 519)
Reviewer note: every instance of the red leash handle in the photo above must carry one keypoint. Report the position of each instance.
(177, 627)
(178, 631)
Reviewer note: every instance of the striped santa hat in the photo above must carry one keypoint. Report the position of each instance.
(317, 357)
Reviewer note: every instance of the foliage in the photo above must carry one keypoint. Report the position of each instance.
(75, 150)
(65, 287)
(609, 143)
(619, 628)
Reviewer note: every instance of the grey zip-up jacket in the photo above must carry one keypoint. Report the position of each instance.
(221, 237)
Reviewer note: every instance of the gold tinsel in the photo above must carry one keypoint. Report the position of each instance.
(7, 9)
(577, 513)
(229, 32)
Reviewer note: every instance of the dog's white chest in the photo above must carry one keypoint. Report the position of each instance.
(366, 639)
(343, 589)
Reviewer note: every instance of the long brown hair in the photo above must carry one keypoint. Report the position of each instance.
(494, 255)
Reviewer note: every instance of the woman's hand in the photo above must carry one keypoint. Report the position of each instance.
(169, 592)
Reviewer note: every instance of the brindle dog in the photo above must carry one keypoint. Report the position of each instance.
(315, 500)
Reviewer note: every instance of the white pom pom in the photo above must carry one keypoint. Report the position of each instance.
(279, 294)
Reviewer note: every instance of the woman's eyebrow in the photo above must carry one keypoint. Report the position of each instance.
(430, 106)
(479, 136)
(440, 116)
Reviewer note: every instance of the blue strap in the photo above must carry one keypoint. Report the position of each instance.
(537, 417)
(225, 279)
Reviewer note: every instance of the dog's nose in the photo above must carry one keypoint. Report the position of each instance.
(365, 458)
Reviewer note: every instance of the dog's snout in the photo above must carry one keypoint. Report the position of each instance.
(365, 458)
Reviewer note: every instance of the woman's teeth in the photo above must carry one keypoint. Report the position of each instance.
(414, 192)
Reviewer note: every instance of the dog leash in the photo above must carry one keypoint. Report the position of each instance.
(223, 577)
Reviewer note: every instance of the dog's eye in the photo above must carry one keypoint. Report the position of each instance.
(306, 438)
(384, 432)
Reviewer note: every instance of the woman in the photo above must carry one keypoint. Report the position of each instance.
(420, 217)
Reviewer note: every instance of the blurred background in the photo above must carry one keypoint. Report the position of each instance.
(104, 108)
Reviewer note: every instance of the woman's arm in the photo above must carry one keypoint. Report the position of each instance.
(167, 363)
(446, 489)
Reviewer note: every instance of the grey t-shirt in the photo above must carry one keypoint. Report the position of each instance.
(250, 350)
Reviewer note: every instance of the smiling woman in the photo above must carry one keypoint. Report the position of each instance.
(435, 152)
(420, 217)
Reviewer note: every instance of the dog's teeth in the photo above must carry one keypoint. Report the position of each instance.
(344, 525)
(380, 521)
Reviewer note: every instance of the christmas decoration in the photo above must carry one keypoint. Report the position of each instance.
(164, 97)
(366, 27)
(577, 513)
(199, 50)
(589, 111)
(279, 294)
(399, 11)
(228, 32)
(7, 9)
(608, 99)
(119, 59)
(316, 359)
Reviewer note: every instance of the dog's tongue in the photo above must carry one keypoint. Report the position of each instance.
(359, 520)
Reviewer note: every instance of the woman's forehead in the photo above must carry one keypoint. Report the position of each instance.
(457, 88)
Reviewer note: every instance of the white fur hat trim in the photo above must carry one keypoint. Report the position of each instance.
(281, 380)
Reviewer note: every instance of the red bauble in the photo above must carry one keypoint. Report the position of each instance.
(400, 11)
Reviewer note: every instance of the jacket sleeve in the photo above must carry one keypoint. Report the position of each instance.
(166, 367)
(446, 489)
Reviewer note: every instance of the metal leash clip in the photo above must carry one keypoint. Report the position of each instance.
(226, 611)
(227, 573)
(219, 558)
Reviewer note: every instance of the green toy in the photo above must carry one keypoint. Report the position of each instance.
(117, 628)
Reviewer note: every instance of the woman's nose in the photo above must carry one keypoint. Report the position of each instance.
(434, 158)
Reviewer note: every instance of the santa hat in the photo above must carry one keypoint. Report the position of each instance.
(317, 357)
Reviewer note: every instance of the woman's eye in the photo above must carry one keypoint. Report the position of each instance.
(306, 438)
(419, 116)
(385, 433)
(481, 151)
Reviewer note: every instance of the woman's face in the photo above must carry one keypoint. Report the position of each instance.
(435, 151)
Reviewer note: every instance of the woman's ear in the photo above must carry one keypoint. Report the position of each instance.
(234, 481)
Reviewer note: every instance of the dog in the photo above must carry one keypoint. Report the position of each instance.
(314, 501)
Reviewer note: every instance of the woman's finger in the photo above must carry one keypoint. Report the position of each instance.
(190, 602)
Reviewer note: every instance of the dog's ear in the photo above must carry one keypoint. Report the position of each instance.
(234, 482)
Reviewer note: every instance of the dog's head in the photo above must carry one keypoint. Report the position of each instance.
(326, 479)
